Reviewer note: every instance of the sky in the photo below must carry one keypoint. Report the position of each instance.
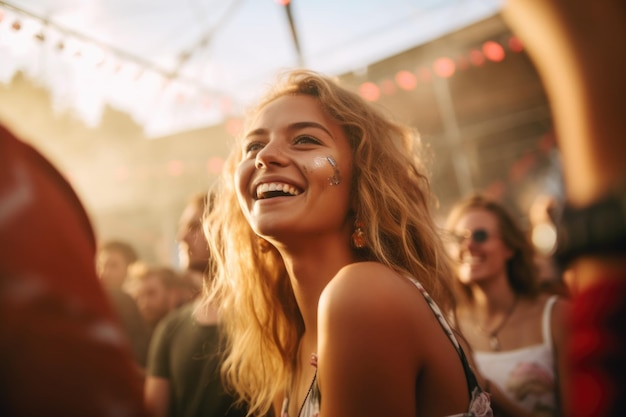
(175, 65)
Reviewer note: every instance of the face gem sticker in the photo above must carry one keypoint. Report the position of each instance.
(320, 162)
(336, 178)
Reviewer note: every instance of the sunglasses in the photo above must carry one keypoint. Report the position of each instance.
(476, 236)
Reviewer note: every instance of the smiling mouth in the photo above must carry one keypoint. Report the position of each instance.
(276, 189)
(471, 260)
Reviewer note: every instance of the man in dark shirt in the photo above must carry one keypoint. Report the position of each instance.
(183, 373)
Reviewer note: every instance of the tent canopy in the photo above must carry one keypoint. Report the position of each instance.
(178, 65)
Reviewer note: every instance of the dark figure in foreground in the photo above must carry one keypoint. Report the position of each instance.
(62, 351)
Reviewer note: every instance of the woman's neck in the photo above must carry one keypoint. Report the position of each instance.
(493, 296)
(310, 270)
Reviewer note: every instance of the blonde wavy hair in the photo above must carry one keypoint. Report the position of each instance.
(391, 195)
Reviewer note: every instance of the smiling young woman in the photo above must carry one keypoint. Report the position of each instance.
(515, 331)
(332, 277)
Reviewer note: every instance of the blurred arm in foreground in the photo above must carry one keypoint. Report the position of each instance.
(579, 50)
(62, 352)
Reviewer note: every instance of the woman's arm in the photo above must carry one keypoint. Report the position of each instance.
(382, 351)
(363, 369)
(579, 50)
(157, 396)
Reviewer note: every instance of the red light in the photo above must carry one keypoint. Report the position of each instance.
(493, 51)
(515, 44)
(369, 91)
(444, 67)
(476, 57)
(406, 80)
(283, 2)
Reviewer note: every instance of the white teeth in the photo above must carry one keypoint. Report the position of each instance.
(262, 188)
(472, 260)
(275, 186)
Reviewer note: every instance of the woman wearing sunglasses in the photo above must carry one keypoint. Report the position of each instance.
(514, 330)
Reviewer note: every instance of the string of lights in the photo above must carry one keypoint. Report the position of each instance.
(46, 23)
(112, 75)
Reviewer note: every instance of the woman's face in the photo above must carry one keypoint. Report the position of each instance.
(295, 174)
(481, 253)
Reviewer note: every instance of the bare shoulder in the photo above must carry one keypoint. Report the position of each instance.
(370, 283)
(377, 336)
(374, 292)
(559, 313)
(560, 306)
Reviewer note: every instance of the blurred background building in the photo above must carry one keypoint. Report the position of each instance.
(136, 150)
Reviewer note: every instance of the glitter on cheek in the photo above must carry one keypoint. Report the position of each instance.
(323, 163)
(336, 178)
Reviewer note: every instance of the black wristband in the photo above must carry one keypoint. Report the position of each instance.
(596, 229)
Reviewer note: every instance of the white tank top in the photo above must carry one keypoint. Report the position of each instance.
(526, 375)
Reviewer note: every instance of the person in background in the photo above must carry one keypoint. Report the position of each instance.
(579, 51)
(156, 291)
(192, 244)
(183, 374)
(189, 288)
(62, 350)
(515, 331)
(113, 260)
(330, 274)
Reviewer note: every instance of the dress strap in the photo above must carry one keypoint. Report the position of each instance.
(546, 328)
(470, 377)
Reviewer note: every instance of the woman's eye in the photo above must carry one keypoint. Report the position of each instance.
(253, 147)
(306, 139)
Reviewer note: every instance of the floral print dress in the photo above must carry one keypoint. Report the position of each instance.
(480, 403)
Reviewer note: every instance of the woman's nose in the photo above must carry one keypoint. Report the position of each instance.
(460, 246)
(273, 153)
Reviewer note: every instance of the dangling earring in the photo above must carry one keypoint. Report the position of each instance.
(264, 245)
(358, 236)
